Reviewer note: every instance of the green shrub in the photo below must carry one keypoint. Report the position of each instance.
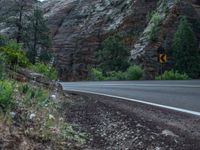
(153, 34)
(34, 94)
(24, 88)
(45, 56)
(149, 16)
(134, 73)
(2, 66)
(3, 40)
(172, 75)
(116, 75)
(6, 91)
(45, 69)
(14, 54)
(95, 75)
(155, 21)
(41, 95)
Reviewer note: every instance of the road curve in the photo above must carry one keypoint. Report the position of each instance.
(178, 95)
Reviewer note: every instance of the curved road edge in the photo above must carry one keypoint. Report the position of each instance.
(140, 101)
(187, 122)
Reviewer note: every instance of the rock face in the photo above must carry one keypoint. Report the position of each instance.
(146, 52)
(79, 26)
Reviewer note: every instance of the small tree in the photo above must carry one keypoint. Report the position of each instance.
(37, 35)
(17, 17)
(114, 55)
(186, 56)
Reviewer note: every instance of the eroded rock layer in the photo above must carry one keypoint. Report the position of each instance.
(79, 26)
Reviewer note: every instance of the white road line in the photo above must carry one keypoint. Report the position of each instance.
(143, 102)
(146, 85)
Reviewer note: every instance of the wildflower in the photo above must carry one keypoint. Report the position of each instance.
(53, 96)
(51, 117)
(32, 116)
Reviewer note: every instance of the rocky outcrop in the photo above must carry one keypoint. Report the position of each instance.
(146, 52)
(79, 26)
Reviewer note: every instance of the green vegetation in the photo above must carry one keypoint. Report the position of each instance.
(155, 28)
(172, 75)
(3, 40)
(115, 75)
(113, 62)
(35, 109)
(45, 56)
(14, 54)
(39, 110)
(186, 56)
(113, 56)
(149, 16)
(135, 73)
(45, 69)
(37, 36)
(95, 75)
(132, 73)
(29, 29)
(2, 66)
(6, 92)
(155, 19)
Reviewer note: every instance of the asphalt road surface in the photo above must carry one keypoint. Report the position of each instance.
(177, 95)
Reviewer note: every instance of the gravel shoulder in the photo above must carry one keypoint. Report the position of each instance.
(123, 125)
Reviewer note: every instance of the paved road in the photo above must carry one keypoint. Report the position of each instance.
(177, 94)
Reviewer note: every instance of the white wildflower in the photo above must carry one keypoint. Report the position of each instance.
(61, 119)
(32, 116)
(51, 117)
(53, 96)
(13, 114)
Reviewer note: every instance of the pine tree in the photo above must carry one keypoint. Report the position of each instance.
(37, 35)
(114, 55)
(186, 56)
(17, 17)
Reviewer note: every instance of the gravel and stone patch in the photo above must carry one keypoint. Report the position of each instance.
(111, 128)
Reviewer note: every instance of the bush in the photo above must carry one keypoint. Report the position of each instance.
(134, 73)
(149, 16)
(113, 75)
(3, 40)
(14, 54)
(172, 75)
(39, 95)
(46, 70)
(45, 56)
(6, 91)
(153, 33)
(24, 88)
(156, 19)
(95, 75)
(2, 66)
